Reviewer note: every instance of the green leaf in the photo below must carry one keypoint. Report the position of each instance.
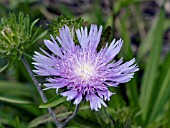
(98, 14)
(65, 10)
(40, 36)
(124, 32)
(126, 52)
(148, 41)
(80, 122)
(32, 25)
(4, 67)
(14, 100)
(150, 74)
(162, 97)
(16, 89)
(103, 117)
(127, 123)
(47, 118)
(53, 102)
(27, 25)
(119, 4)
(36, 37)
(17, 122)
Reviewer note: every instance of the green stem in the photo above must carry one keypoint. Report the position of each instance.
(71, 117)
(38, 86)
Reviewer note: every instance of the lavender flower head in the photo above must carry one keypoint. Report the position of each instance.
(84, 73)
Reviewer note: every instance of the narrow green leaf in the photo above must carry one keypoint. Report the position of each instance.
(21, 17)
(166, 117)
(119, 4)
(65, 11)
(7, 38)
(128, 54)
(16, 89)
(53, 102)
(4, 67)
(162, 97)
(27, 25)
(14, 100)
(132, 92)
(17, 122)
(123, 28)
(98, 14)
(150, 74)
(148, 41)
(127, 123)
(40, 36)
(103, 117)
(36, 37)
(47, 118)
(32, 25)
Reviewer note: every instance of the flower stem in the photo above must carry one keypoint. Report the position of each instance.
(71, 117)
(38, 86)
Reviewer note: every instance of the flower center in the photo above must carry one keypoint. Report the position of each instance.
(85, 71)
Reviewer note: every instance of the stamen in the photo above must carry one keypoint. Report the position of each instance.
(85, 71)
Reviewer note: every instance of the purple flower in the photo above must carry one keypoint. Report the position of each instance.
(80, 69)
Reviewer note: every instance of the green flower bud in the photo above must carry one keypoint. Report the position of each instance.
(17, 35)
(61, 21)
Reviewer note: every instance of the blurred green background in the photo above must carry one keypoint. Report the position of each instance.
(144, 102)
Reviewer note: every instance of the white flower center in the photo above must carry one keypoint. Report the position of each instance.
(85, 71)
